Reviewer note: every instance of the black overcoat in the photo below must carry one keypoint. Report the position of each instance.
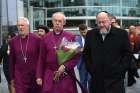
(107, 59)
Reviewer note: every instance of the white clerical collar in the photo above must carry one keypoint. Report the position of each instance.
(57, 32)
(24, 36)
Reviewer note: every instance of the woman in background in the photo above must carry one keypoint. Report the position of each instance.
(4, 53)
(42, 30)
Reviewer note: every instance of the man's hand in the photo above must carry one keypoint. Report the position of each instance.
(59, 72)
(39, 81)
(12, 86)
(12, 83)
(61, 69)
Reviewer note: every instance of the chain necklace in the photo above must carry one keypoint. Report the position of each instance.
(24, 54)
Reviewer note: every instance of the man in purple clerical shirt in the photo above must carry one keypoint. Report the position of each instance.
(50, 74)
(24, 52)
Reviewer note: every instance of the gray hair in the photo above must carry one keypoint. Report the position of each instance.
(24, 18)
(61, 14)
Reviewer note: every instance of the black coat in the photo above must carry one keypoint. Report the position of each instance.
(4, 58)
(108, 59)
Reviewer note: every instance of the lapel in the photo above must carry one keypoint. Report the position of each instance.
(79, 39)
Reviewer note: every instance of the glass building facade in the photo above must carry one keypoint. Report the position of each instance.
(3, 19)
(8, 16)
(83, 11)
(76, 11)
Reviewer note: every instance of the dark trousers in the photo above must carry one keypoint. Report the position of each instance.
(107, 86)
(6, 72)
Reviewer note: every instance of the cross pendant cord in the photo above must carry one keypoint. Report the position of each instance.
(24, 54)
(57, 42)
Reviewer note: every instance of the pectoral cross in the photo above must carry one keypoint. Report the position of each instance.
(55, 47)
(25, 59)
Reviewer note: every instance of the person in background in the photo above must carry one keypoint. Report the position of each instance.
(133, 38)
(132, 71)
(114, 22)
(84, 76)
(0, 68)
(42, 30)
(48, 58)
(4, 53)
(0, 75)
(138, 43)
(23, 58)
(107, 55)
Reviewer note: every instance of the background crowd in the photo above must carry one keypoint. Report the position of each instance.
(107, 55)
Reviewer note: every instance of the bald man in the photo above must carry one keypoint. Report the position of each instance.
(107, 54)
(24, 52)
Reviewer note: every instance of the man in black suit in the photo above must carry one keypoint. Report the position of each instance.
(107, 54)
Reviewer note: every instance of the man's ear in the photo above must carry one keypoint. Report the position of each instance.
(64, 23)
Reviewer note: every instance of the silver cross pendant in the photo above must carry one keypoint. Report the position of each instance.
(25, 59)
(55, 47)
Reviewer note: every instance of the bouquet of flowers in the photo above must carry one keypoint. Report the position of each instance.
(67, 50)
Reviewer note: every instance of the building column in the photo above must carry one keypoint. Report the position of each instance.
(121, 24)
(0, 22)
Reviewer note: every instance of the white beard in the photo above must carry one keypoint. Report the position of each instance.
(103, 30)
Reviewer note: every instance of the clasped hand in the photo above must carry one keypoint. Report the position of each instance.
(59, 72)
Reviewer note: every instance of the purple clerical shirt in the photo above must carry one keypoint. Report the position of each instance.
(23, 71)
(47, 65)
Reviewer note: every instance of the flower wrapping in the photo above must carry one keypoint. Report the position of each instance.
(67, 50)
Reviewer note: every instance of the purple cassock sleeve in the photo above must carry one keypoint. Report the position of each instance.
(70, 64)
(41, 61)
(12, 60)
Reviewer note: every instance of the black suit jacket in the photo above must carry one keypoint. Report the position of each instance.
(109, 58)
